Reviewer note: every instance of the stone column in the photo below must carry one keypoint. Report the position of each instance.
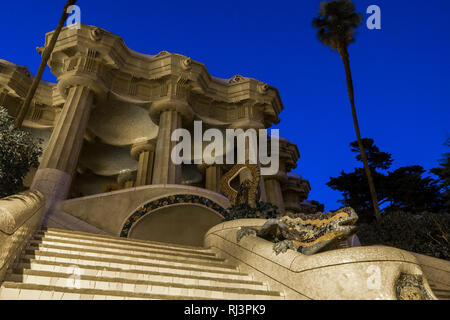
(288, 156)
(166, 171)
(144, 152)
(60, 158)
(213, 176)
(274, 194)
(273, 186)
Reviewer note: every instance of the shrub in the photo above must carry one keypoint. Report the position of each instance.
(263, 210)
(19, 151)
(426, 233)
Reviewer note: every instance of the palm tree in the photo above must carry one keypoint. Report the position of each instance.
(336, 25)
(45, 56)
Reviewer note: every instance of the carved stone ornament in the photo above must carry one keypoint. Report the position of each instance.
(263, 87)
(186, 63)
(237, 78)
(251, 187)
(96, 34)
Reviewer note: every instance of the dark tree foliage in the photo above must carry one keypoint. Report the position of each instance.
(443, 173)
(263, 210)
(425, 233)
(356, 192)
(376, 158)
(336, 23)
(19, 152)
(405, 189)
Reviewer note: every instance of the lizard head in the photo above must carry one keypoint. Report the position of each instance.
(343, 221)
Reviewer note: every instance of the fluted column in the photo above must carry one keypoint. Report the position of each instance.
(274, 194)
(166, 172)
(144, 152)
(213, 176)
(60, 158)
(273, 184)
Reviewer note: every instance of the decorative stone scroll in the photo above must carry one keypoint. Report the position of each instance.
(96, 34)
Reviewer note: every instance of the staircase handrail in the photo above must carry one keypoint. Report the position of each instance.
(20, 216)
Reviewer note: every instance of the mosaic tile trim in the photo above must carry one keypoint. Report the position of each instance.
(166, 201)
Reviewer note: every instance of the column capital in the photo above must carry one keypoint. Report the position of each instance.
(171, 104)
(138, 148)
(65, 82)
(245, 124)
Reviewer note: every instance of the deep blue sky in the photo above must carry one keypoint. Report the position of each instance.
(401, 72)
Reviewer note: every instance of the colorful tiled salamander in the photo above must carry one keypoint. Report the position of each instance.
(307, 234)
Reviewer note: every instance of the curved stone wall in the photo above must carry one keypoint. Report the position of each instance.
(113, 211)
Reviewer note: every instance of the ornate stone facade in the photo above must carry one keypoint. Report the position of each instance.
(109, 118)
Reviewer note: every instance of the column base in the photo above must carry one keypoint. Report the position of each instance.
(54, 184)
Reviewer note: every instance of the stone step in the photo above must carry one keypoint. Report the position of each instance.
(113, 239)
(105, 267)
(158, 253)
(21, 291)
(438, 285)
(441, 293)
(120, 243)
(52, 265)
(54, 279)
(128, 258)
(440, 290)
(156, 265)
(115, 273)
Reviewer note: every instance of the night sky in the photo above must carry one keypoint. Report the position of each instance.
(401, 72)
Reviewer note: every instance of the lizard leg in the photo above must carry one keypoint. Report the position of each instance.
(245, 231)
(283, 246)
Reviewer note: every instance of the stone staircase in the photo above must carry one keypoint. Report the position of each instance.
(441, 291)
(61, 264)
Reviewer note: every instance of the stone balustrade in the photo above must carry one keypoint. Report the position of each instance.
(342, 274)
(20, 215)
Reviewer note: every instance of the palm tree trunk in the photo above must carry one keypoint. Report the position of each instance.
(345, 59)
(45, 56)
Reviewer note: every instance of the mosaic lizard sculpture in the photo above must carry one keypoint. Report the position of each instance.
(307, 234)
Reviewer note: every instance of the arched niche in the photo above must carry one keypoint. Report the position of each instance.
(177, 219)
